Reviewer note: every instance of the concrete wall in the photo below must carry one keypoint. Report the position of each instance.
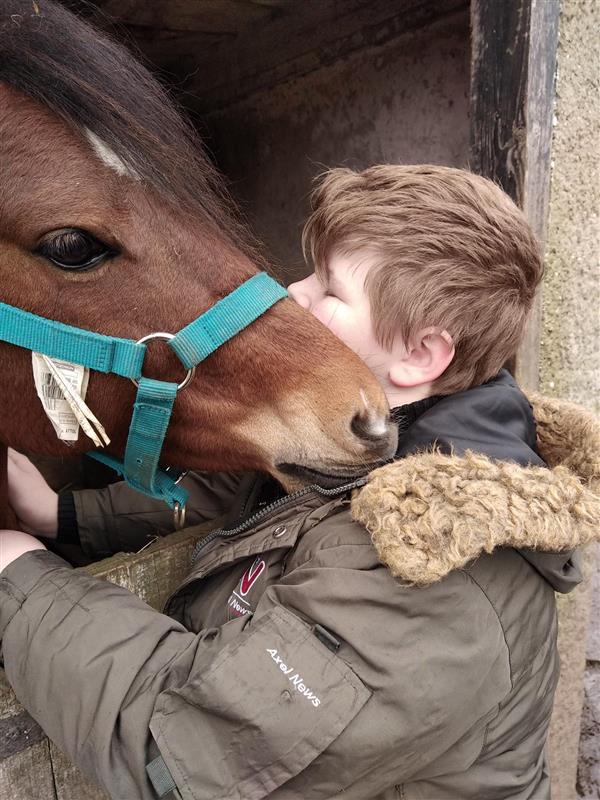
(404, 102)
(570, 353)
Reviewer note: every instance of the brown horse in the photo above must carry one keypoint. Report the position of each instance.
(113, 220)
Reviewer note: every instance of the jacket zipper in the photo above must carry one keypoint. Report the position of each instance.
(276, 505)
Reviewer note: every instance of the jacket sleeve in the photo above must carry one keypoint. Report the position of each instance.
(107, 678)
(237, 711)
(119, 519)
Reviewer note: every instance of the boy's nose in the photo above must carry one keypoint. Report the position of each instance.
(299, 295)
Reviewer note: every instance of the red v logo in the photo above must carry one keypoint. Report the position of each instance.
(251, 575)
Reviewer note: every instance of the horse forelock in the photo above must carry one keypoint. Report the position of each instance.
(96, 85)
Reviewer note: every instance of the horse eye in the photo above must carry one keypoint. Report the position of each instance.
(74, 249)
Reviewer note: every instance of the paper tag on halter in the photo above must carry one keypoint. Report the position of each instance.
(58, 410)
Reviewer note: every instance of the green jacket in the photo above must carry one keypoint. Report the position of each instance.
(292, 663)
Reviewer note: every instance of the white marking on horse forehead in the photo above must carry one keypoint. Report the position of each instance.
(106, 155)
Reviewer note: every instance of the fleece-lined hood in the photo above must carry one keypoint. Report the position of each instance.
(471, 477)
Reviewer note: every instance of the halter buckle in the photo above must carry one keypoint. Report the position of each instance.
(165, 337)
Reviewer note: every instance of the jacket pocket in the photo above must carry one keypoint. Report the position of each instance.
(269, 704)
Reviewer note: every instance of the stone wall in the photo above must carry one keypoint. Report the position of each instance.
(570, 353)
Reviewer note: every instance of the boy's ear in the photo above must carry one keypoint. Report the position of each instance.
(428, 356)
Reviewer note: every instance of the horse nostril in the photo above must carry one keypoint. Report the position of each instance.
(375, 430)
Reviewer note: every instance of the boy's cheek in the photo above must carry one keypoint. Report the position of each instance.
(347, 325)
(348, 329)
(327, 311)
(339, 323)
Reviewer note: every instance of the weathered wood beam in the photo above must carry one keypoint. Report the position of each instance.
(172, 52)
(203, 16)
(307, 37)
(272, 3)
(513, 69)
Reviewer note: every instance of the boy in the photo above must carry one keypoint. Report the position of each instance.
(291, 663)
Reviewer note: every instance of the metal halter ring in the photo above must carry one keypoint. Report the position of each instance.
(166, 337)
(179, 516)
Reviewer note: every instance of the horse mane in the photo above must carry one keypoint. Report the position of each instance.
(95, 84)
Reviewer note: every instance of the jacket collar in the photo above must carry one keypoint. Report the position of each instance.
(494, 419)
(406, 415)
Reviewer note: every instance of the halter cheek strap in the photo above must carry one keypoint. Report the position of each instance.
(154, 400)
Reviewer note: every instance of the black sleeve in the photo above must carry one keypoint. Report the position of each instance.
(68, 529)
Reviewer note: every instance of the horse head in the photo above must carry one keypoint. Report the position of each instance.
(112, 219)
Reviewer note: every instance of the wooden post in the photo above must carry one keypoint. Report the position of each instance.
(513, 68)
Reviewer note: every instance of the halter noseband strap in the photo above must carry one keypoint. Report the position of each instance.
(154, 399)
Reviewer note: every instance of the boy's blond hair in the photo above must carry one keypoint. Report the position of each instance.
(451, 250)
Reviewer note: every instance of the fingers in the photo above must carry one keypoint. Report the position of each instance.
(12, 466)
(15, 467)
(20, 464)
(17, 458)
(18, 461)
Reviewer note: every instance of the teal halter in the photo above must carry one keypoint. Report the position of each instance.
(154, 401)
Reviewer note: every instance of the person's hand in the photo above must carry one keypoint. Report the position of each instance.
(32, 500)
(13, 544)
